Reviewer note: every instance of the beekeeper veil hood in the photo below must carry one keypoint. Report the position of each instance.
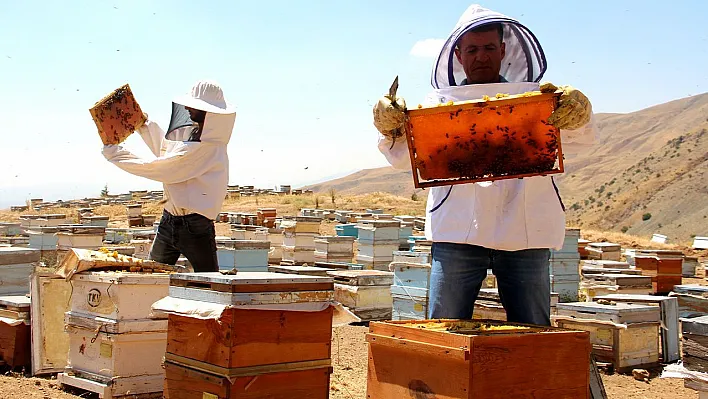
(205, 96)
(524, 60)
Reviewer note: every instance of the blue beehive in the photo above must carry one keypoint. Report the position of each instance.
(348, 230)
(243, 255)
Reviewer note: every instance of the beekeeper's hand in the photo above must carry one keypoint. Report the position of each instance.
(574, 109)
(388, 118)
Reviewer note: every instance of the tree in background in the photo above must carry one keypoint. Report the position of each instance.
(104, 192)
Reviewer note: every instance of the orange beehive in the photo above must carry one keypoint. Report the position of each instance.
(476, 359)
(665, 272)
(482, 140)
(117, 115)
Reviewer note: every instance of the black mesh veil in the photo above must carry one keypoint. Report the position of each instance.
(180, 118)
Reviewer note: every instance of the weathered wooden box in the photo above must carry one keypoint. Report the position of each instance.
(373, 231)
(299, 240)
(476, 359)
(692, 300)
(626, 335)
(380, 250)
(335, 245)
(51, 298)
(272, 382)
(664, 271)
(603, 284)
(16, 268)
(373, 263)
(690, 265)
(248, 342)
(302, 224)
(412, 257)
(565, 268)
(246, 255)
(15, 338)
(567, 289)
(117, 295)
(298, 256)
(695, 343)
(408, 274)
(346, 230)
(117, 355)
(604, 251)
(668, 307)
(367, 293)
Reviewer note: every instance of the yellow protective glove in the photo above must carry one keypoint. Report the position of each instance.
(389, 118)
(574, 108)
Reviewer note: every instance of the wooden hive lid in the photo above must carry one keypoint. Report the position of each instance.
(15, 302)
(251, 282)
(619, 313)
(334, 239)
(362, 277)
(379, 223)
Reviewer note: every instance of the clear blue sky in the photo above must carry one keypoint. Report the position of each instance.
(304, 75)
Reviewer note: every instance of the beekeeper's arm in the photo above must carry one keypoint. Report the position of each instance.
(152, 135)
(574, 118)
(183, 163)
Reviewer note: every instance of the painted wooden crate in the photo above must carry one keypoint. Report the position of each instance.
(330, 257)
(51, 299)
(66, 241)
(463, 359)
(372, 263)
(298, 256)
(565, 268)
(700, 243)
(570, 246)
(690, 265)
(335, 245)
(603, 284)
(299, 240)
(626, 335)
(95, 221)
(416, 275)
(10, 229)
(305, 381)
(15, 337)
(117, 295)
(605, 264)
(250, 342)
(692, 300)
(245, 255)
(16, 268)
(373, 231)
(604, 251)
(665, 272)
(103, 356)
(695, 343)
(488, 305)
(43, 238)
(383, 249)
(301, 224)
(346, 230)
(367, 293)
(409, 303)
(668, 306)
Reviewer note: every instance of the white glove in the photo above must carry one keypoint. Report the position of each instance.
(389, 119)
(574, 108)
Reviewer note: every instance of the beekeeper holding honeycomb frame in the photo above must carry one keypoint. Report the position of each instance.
(192, 163)
(508, 226)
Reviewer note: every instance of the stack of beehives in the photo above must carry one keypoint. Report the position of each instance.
(377, 241)
(411, 280)
(299, 239)
(367, 293)
(115, 346)
(604, 251)
(78, 236)
(564, 267)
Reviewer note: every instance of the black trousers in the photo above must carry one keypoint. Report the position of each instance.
(191, 235)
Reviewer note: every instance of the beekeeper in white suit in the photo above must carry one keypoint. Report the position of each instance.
(192, 163)
(507, 225)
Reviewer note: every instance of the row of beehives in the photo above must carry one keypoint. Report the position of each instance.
(100, 329)
(38, 204)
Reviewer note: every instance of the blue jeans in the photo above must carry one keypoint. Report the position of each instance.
(458, 271)
(192, 235)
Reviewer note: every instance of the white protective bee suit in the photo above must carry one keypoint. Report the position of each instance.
(194, 174)
(505, 215)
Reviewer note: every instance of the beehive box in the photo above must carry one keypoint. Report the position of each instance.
(299, 240)
(43, 238)
(101, 221)
(566, 289)
(335, 245)
(15, 337)
(603, 251)
(367, 293)
(603, 284)
(117, 116)
(409, 274)
(695, 343)
(412, 257)
(347, 230)
(10, 229)
(302, 224)
(297, 256)
(570, 246)
(626, 335)
(690, 265)
(664, 272)
(117, 295)
(380, 250)
(243, 342)
(374, 263)
(484, 140)
(668, 307)
(118, 355)
(16, 268)
(692, 300)
(476, 359)
(488, 305)
(375, 231)
(245, 255)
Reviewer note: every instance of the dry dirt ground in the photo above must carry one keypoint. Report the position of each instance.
(348, 381)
